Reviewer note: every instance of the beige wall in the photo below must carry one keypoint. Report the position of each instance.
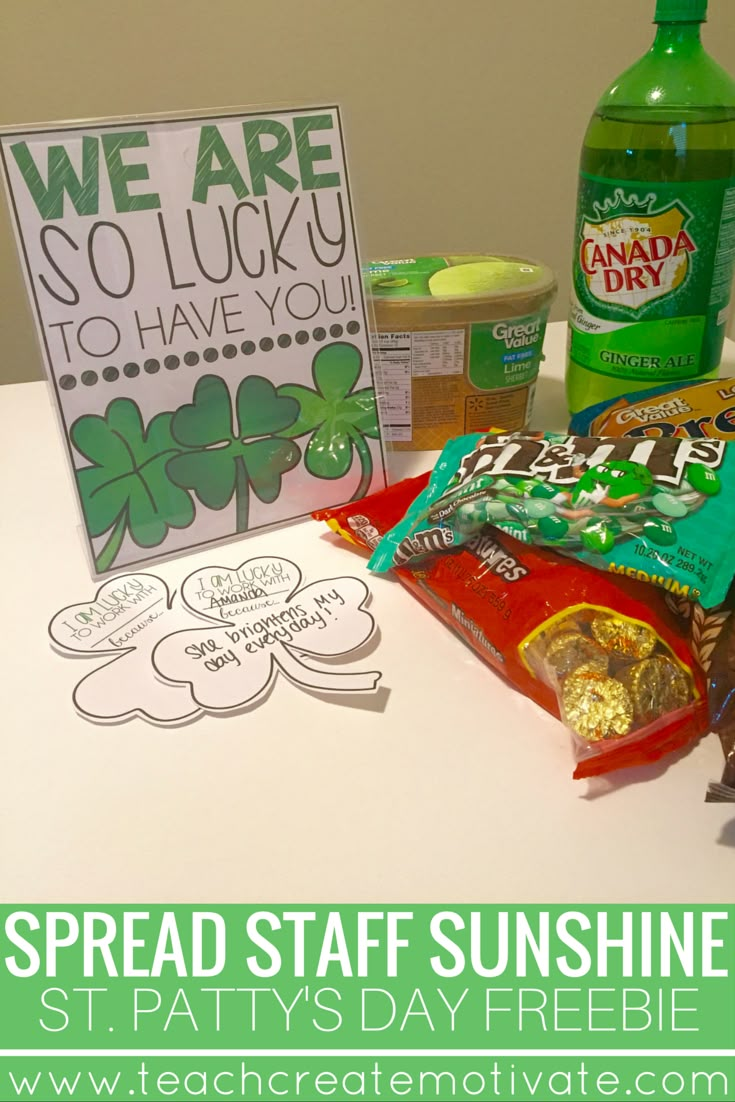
(463, 118)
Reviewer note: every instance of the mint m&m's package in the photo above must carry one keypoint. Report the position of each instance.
(658, 510)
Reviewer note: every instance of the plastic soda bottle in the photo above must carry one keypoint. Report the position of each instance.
(654, 240)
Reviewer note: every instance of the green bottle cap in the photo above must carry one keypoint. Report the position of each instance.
(681, 11)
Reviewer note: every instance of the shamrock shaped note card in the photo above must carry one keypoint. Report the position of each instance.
(268, 625)
(219, 645)
(124, 621)
(197, 292)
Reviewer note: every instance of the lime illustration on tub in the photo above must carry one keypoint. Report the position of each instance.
(197, 294)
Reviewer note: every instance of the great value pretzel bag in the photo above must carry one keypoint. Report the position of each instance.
(696, 409)
(604, 653)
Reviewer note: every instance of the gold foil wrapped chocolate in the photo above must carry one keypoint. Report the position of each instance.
(568, 650)
(596, 706)
(623, 638)
(614, 674)
(656, 685)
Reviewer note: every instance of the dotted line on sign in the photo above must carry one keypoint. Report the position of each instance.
(209, 355)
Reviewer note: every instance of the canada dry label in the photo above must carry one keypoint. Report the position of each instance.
(653, 267)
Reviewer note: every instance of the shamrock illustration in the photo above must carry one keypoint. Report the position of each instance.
(338, 418)
(126, 489)
(126, 618)
(264, 624)
(225, 458)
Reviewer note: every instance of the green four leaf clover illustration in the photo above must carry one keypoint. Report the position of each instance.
(126, 488)
(140, 478)
(337, 417)
(226, 456)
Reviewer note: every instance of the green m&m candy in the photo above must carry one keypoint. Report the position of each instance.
(518, 512)
(538, 507)
(669, 505)
(480, 482)
(543, 489)
(703, 479)
(471, 517)
(635, 508)
(659, 531)
(553, 528)
(525, 485)
(597, 537)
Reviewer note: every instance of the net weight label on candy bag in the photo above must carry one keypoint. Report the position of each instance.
(652, 272)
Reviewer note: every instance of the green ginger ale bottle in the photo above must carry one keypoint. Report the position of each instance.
(655, 232)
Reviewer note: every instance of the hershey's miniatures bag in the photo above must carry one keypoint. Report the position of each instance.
(605, 653)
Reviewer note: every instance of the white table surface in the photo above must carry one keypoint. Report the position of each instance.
(452, 788)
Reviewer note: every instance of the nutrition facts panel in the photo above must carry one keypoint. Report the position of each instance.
(438, 352)
(404, 356)
(392, 354)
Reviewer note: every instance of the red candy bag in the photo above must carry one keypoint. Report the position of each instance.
(602, 652)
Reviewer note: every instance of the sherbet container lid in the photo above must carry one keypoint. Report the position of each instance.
(463, 278)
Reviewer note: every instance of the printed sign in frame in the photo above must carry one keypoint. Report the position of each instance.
(197, 292)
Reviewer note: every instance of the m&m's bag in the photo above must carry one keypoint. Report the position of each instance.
(656, 510)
